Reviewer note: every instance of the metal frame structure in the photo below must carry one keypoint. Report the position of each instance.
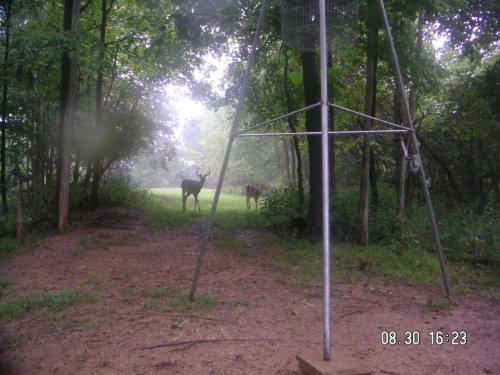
(324, 105)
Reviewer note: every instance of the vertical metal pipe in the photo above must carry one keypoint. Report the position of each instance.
(236, 120)
(325, 181)
(414, 140)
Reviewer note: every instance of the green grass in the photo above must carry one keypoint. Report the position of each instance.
(17, 308)
(170, 299)
(4, 282)
(165, 209)
(304, 260)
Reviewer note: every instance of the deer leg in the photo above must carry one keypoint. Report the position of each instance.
(248, 203)
(256, 199)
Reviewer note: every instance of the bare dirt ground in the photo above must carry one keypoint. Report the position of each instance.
(262, 320)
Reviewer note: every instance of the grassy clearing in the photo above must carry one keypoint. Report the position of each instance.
(391, 261)
(165, 209)
(17, 308)
(170, 299)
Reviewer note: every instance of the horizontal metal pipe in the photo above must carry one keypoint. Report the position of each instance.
(277, 119)
(339, 132)
(367, 116)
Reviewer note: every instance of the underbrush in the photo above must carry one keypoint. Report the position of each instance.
(113, 192)
(384, 263)
(466, 235)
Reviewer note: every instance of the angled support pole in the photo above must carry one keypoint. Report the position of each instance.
(236, 120)
(414, 142)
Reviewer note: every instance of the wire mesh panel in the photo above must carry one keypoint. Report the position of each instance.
(300, 23)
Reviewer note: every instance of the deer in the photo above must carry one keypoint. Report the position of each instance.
(253, 191)
(193, 187)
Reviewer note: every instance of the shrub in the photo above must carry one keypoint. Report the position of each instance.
(115, 192)
(283, 209)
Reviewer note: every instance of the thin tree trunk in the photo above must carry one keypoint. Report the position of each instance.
(293, 127)
(287, 162)
(312, 94)
(403, 186)
(371, 91)
(331, 139)
(94, 195)
(69, 67)
(76, 168)
(3, 154)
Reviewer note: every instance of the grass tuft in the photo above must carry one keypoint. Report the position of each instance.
(17, 308)
(172, 300)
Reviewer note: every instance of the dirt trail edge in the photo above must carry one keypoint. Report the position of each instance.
(131, 316)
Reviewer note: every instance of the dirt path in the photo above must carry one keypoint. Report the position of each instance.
(261, 321)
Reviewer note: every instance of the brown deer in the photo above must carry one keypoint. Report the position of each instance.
(253, 191)
(192, 187)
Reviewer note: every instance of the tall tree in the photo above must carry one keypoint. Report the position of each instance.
(7, 5)
(97, 163)
(370, 106)
(312, 94)
(293, 128)
(69, 67)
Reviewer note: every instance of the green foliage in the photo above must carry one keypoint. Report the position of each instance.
(114, 192)
(8, 244)
(17, 308)
(387, 263)
(4, 283)
(283, 209)
(118, 191)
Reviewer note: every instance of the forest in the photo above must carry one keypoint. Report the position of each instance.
(85, 107)
(111, 109)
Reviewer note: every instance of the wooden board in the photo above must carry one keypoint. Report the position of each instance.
(338, 365)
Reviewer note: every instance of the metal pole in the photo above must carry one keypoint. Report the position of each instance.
(414, 140)
(367, 116)
(337, 132)
(241, 100)
(326, 185)
(277, 119)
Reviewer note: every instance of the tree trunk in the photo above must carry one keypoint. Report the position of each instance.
(331, 139)
(97, 173)
(312, 94)
(69, 67)
(293, 127)
(3, 154)
(287, 162)
(371, 92)
(293, 162)
(403, 183)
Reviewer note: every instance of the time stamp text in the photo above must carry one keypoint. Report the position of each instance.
(437, 338)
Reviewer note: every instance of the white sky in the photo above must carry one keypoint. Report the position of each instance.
(179, 96)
